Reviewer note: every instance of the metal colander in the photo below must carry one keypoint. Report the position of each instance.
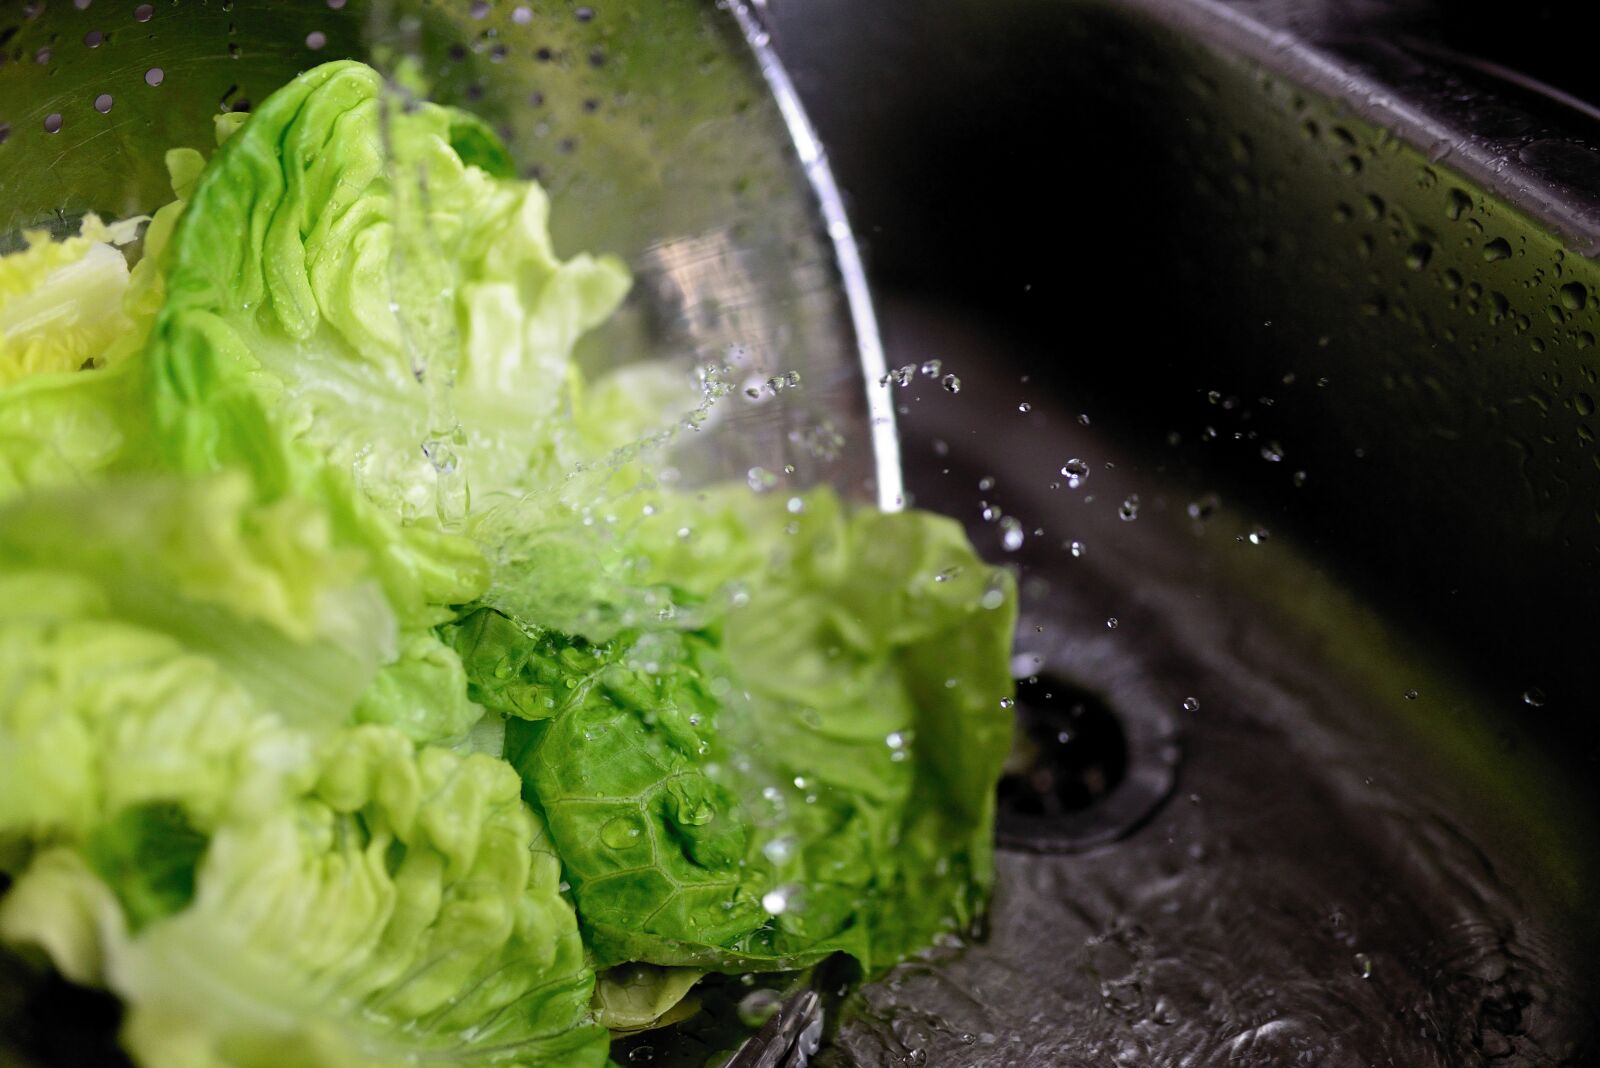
(664, 131)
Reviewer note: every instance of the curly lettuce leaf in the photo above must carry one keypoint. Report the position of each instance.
(405, 910)
(808, 768)
(104, 718)
(264, 590)
(394, 329)
(62, 302)
(73, 323)
(423, 693)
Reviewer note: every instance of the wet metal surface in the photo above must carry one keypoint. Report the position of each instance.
(1343, 876)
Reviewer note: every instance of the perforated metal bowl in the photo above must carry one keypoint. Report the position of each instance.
(663, 129)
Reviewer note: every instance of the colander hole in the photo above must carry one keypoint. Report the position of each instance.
(522, 15)
(94, 38)
(315, 40)
(480, 9)
(536, 99)
(154, 76)
(591, 105)
(5, 132)
(102, 103)
(584, 14)
(597, 58)
(144, 13)
(52, 122)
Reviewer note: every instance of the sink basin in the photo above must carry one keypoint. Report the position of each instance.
(1274, 326)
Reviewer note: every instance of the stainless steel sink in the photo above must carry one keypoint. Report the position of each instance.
(1307, 651)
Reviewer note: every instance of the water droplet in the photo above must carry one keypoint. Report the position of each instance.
(1083, 418)
(947, 574)
(1457, 204)
(1418, 255)
(440, 455)
(1496, 250)
(1533, 697)
(1008, 702)
(1011, 534)
(994, 595)
(1024, 407)
(1412, 695)
(1191, 704)
(951, 384)
(900, 376)
(777, 900)
(986, 483)
(895, 739)
(1258, 535)
(154, 76)
(780, 850)
(316, 40)
(1130, 508)
(102, 103)
(621, 833)
(1075, 548)
(1075, 470)
(760, 479)
(1272, 452)
(759, 1006)
(1205, 507)
(1363, 965)
(931, 368)
(1112, 623)
(1574, 295)
(1583, 404)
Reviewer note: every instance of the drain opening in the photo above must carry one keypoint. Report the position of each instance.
(1083, 771)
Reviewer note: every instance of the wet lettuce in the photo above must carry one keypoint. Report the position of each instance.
(365, 697)
(796, 759)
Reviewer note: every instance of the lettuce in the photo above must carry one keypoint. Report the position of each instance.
(367, 699)
(404, 910)
(393, 332)
(807, 769)
(255, 587)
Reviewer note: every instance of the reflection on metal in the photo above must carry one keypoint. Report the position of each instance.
(1388, 81)
(885, 442)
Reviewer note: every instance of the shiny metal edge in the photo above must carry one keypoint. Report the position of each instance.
(1250, 34)
(847, 255)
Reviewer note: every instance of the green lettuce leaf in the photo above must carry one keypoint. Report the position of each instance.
(74, 318)
(101, 715)
(406, 910)
(641, 997)
(804, 767)
(423, 693)
(394, 330)
(264, 590)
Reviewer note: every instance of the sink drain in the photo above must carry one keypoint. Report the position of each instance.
(1083, 772)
